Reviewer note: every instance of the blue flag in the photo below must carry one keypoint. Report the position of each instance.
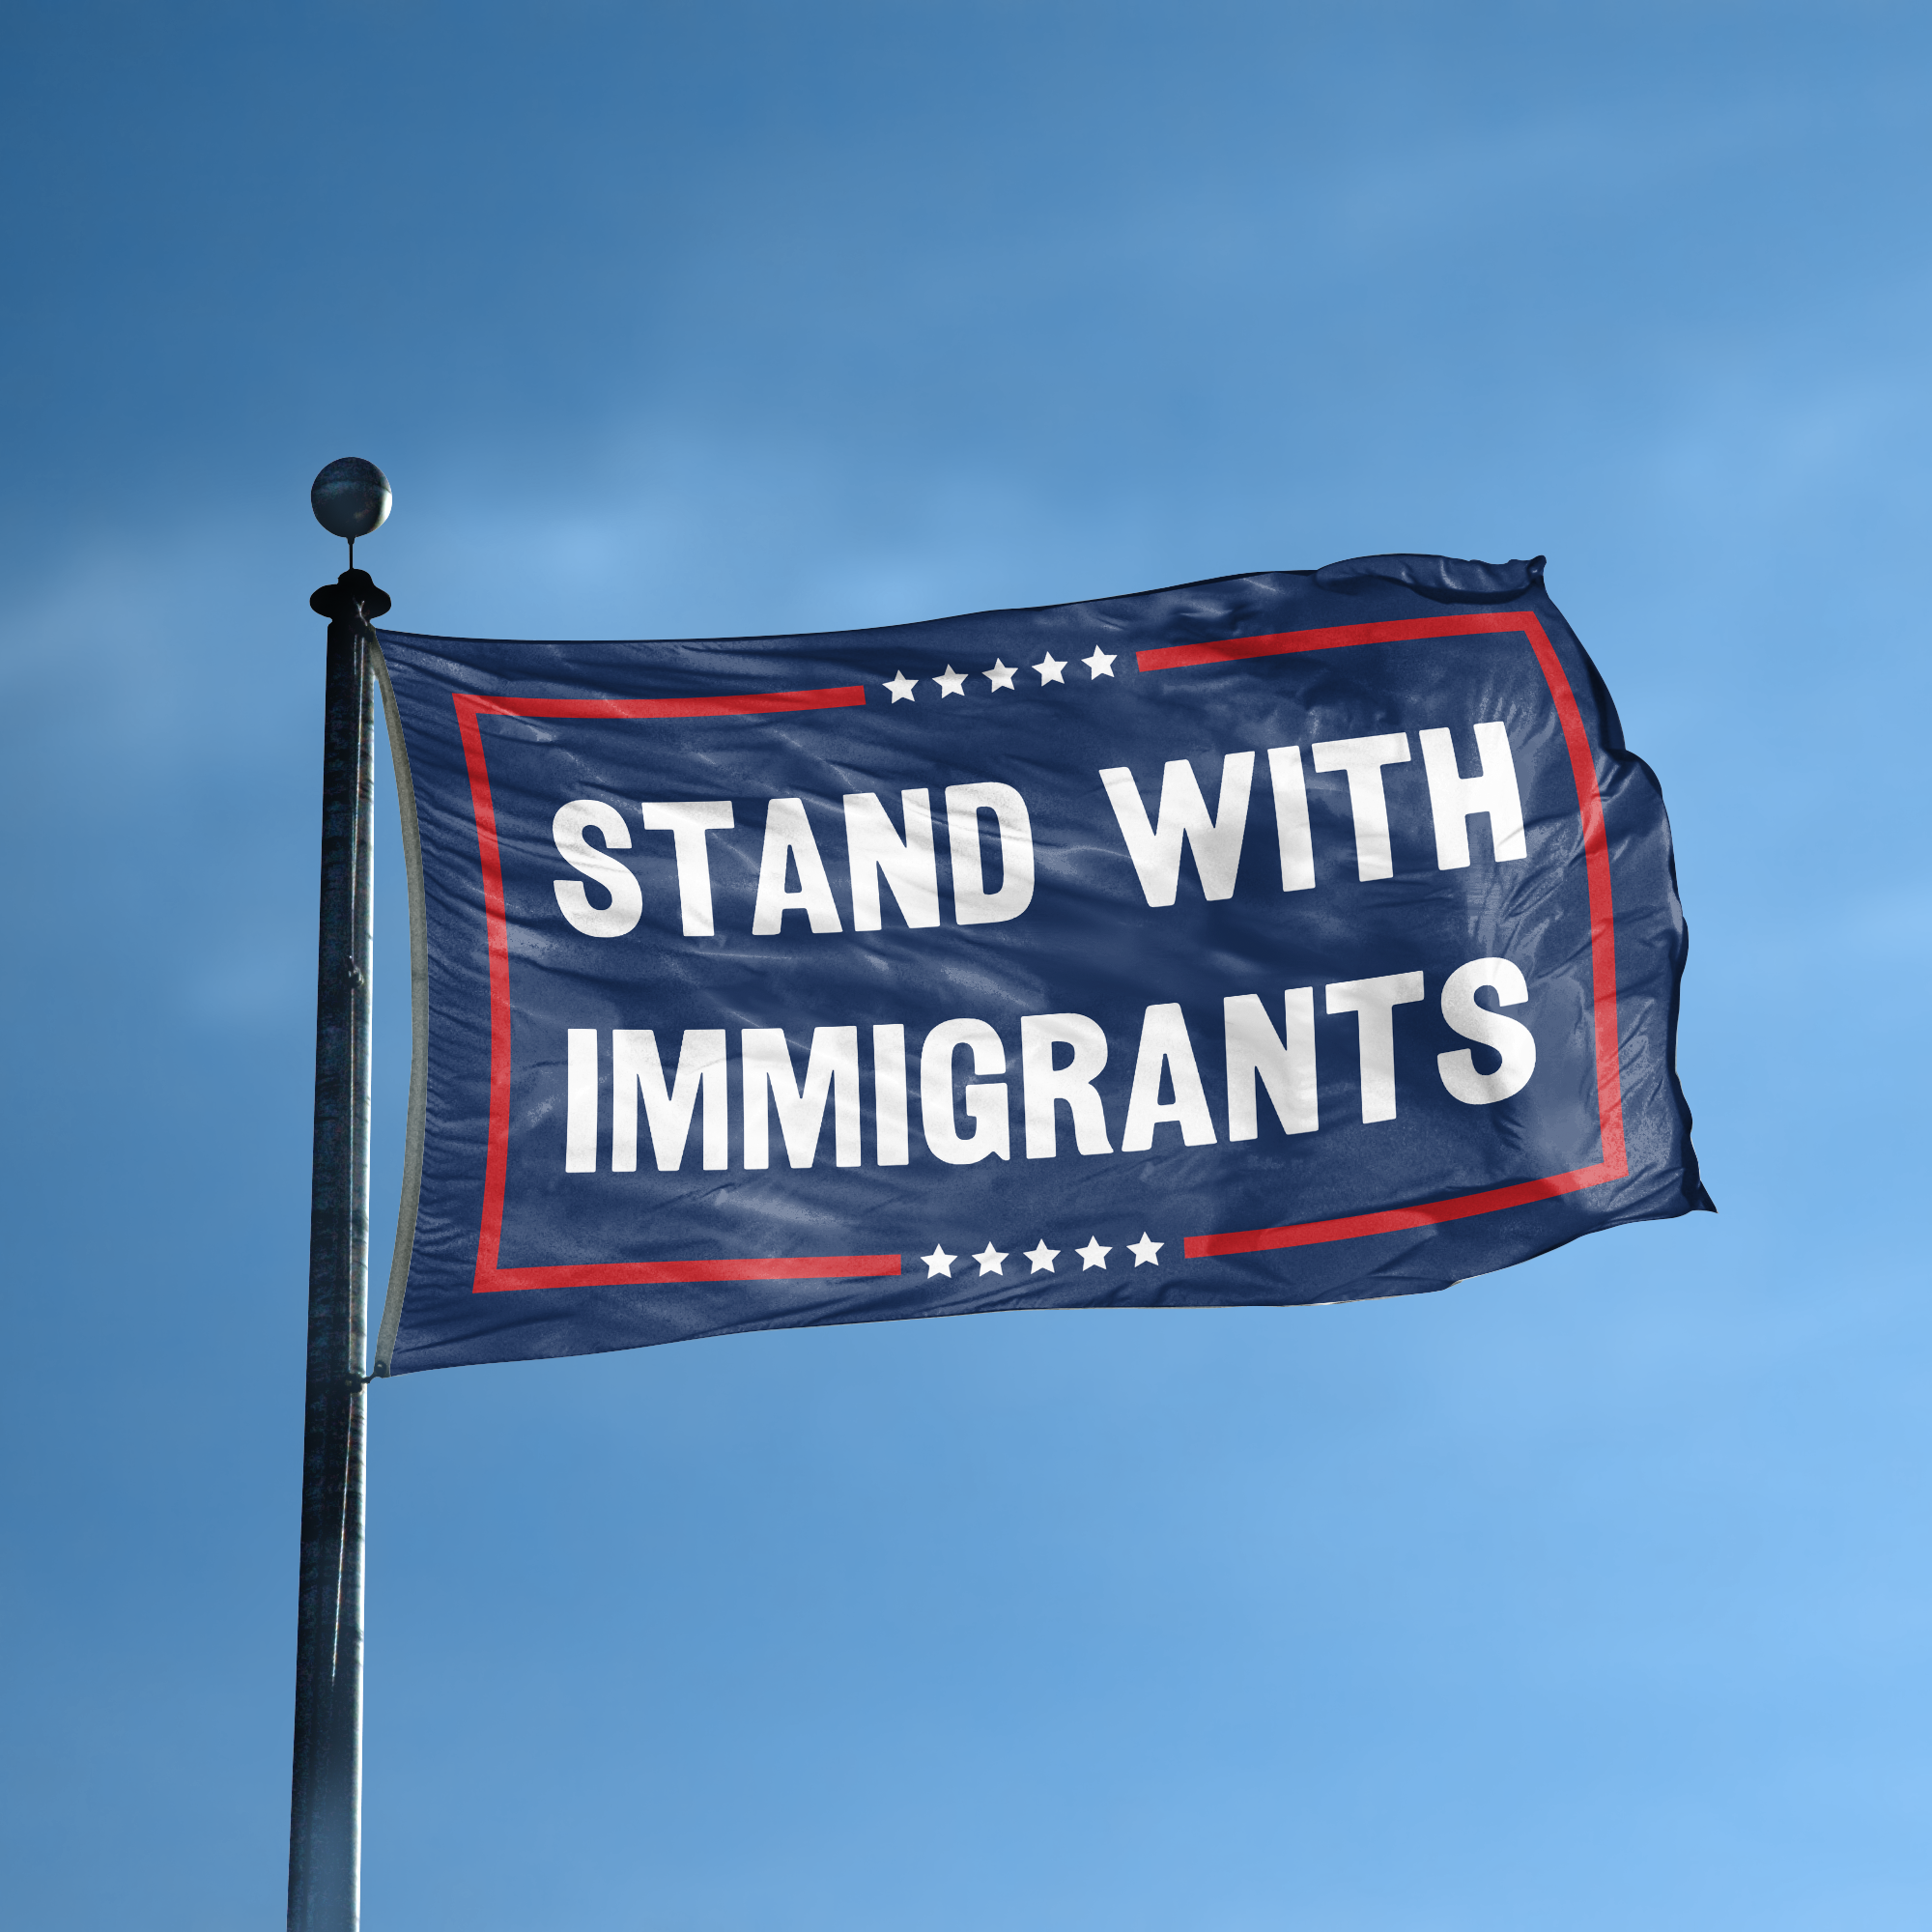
(1301, 937)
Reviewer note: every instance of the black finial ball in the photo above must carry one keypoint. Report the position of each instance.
(351, 498)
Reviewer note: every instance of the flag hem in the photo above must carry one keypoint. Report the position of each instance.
(418, 1108)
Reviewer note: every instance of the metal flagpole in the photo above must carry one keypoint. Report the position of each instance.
(351, 499)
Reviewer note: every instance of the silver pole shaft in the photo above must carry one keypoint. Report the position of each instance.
(325, 1824)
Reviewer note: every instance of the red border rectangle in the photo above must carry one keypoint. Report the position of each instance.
(469, 707)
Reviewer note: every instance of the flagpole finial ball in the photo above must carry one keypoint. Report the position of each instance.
(351, 498)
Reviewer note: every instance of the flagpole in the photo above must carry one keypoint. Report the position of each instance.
(325, 1810)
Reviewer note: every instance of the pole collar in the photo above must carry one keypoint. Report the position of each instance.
(352, 597)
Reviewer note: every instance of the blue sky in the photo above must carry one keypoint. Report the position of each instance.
(1595, 1594)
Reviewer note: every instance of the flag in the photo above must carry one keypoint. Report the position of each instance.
(1307, 936)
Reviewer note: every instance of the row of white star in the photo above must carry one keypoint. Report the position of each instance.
(1093, 1256)
(953, 683)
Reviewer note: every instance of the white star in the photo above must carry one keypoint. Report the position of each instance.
(1101, 662)
(900, 686)
(1093, 1255)
(1145, 1250)
(1042, 1257)
(1049, 669)
(953, 683)
(938, 1262)
(1000, 676)
(991, 1260)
